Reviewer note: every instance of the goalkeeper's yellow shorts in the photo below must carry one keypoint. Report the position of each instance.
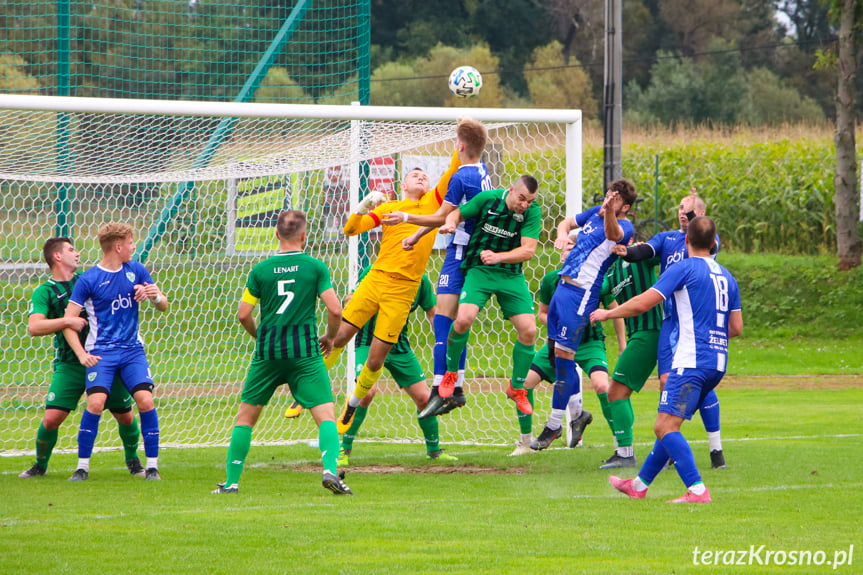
(388, 295)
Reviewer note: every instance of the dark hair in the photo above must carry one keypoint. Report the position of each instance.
(51, 247)
(291, 224)
(625, 190)
(474, 136)
(701, 233)
(530, 183)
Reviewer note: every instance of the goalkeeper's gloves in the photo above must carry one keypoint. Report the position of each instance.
(370, 202)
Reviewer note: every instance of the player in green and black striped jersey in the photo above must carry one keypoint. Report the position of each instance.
(626, 280)
(287, 348)
(47, 310)
(405, 369)
(505, 234)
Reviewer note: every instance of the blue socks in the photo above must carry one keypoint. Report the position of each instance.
(709, 410)
(442, 326)
(676, 446)
(150, 431)
(87, 434)
(566, 383)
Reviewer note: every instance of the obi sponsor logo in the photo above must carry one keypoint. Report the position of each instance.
(674, 258)
(121, 302)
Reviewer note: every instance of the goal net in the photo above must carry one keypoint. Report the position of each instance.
(202, 183)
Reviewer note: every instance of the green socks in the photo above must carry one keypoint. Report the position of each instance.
(129, 435)
(606, 411)
(525, 421)
(351, 434)
(429, 428)
(328, 441)
(522, 357)
(622, 418)
(45, 442)
(456, 342)
(241, 440)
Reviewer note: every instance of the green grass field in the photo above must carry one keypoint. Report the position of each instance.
(792, 484)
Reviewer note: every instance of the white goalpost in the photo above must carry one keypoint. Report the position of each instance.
(203, 182)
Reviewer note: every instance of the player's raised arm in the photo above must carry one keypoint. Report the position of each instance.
(452, 221)
(565, 226)
(364, 218)
(613, 231)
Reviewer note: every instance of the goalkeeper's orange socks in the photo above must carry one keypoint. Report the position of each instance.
(330, 360)
(241, 440)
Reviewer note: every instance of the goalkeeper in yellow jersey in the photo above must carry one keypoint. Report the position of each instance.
(390, 287)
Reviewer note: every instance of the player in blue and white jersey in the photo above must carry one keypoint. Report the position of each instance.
(111, 293)
(471, 178)
(670, 248)
(706, 312)
(577, 294)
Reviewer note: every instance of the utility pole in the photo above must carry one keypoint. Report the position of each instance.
(613, 94)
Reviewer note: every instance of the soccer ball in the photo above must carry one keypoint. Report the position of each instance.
(465, 82)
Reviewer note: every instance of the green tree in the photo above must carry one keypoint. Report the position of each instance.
(553, 86)
(770, 101)
(443, 59)
(395, 84)
(278, 86)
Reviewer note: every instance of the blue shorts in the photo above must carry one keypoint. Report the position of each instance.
(451, 278)
(666, 346)
(130, 364)
(565, 324)
(685, 390)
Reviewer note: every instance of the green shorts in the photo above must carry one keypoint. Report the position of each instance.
(513, 295)
(589, 357)
(67, 386)
(638, 360)
(404, 367)
(307, 378)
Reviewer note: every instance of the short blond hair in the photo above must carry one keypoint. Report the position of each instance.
(112, 233)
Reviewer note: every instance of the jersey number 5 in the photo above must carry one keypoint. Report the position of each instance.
(284, 291)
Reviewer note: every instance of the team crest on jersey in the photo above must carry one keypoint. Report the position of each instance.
(518, 217)
(51, 396)
(91, 376)
(130, 276)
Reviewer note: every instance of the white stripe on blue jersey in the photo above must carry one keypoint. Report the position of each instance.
(591, 257)
(703, 294)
